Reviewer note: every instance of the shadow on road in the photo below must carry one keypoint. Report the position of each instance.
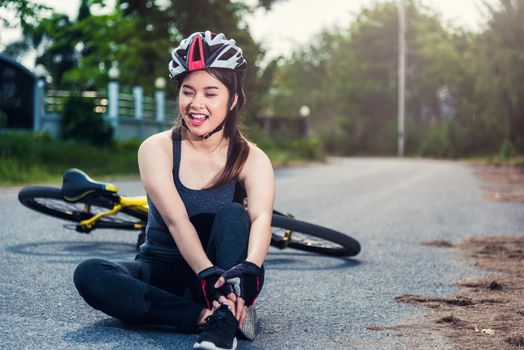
(293, 260)
(73, 252)
(114, 331)
(111, 330)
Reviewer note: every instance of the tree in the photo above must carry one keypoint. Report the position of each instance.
(55, 40)
(26, 12)
(503, 51)
(80, 122)
(140, 34)
(348, 77)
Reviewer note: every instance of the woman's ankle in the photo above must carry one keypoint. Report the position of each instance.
(203, 316)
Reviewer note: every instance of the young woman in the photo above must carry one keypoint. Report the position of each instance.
(201, 266)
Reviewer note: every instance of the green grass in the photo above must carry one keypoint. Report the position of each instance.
(292, 152)
(27, 158)
(14, 171)
(515, 161)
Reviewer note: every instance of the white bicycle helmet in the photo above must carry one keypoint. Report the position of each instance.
(203, 50)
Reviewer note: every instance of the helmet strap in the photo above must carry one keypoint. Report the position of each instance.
(206, 136)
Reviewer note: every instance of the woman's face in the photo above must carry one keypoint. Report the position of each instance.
(203, 102)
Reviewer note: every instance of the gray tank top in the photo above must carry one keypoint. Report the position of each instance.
(207, 202)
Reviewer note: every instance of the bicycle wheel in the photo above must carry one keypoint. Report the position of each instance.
(312, 238)
(49, 201)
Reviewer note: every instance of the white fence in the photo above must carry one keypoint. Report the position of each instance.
(136, 116)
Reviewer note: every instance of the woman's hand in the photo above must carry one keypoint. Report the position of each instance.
(235, 308)
(246, 280)
(208, 278)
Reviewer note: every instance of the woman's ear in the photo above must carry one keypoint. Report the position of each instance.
(234, 103)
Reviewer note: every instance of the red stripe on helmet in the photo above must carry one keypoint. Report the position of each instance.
(199, 64)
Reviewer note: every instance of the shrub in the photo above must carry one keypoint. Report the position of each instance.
(80, 122)
(507, 150)
(29, 157)
(283, 152)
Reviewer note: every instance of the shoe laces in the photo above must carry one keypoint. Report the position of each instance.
(219, 319)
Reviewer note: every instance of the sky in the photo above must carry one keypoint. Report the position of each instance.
(292, 23)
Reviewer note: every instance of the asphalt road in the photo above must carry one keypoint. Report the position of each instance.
(309, 301)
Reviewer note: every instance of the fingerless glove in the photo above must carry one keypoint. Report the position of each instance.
(246, 279)
(208, 278)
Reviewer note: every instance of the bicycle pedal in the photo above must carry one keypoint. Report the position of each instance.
(83, 229)
(280, 244)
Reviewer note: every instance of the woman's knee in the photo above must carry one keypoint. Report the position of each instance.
(230, 236)
(85, 275)
(233, 213)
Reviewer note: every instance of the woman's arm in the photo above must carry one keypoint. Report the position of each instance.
(259, 182)
(155, 162)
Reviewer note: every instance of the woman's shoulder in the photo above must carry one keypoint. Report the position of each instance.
(256, 160)
(160, 142)
(256, 152)
(160, 139)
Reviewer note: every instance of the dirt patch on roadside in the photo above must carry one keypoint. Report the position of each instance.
(439, 244)
(488, 313)
(501, 183)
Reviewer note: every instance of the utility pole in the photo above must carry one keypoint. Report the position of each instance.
(401, 77)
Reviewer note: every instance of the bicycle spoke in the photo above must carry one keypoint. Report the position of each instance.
(83, 210)
(306, 239)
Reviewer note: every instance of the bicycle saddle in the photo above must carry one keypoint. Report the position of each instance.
(77, 185)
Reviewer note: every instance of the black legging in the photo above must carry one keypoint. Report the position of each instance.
(157, 290)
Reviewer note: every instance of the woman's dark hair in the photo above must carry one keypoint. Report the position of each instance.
(239, 147)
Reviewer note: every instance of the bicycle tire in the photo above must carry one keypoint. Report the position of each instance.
(49, 201)
(314, 238)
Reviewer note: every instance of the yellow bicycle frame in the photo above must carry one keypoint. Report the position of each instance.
(138, 203)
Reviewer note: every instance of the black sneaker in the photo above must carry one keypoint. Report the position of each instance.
(219, 331)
